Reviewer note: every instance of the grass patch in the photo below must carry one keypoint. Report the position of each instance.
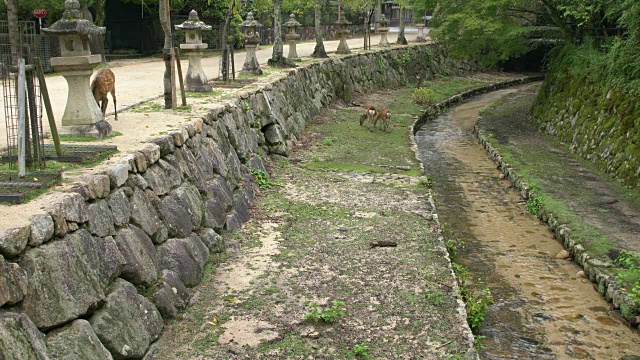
(77, 138)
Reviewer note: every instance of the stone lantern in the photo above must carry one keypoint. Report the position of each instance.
(195, 80)
(251, 41)
(421, 26)
(342, 32)
(383, 27)
(82, 116)
(292, 36)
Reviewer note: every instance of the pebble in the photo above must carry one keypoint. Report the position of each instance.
(564, 254)
(581, 275)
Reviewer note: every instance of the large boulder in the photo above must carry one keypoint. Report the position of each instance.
(20, 339)
(127, 323)
(171, 295)
(14, 241)
(13, 282)
(186, 257)
(41, 229)
(143, 214)
(67, 277)
(101, 219)
(76, 341)
(176, 218)
(140, 255)
(189, 198)
(119, 205)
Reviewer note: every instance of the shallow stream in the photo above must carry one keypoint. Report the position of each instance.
(542, 309)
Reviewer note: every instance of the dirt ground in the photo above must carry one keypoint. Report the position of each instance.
(307, 251)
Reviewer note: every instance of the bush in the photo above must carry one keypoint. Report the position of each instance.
(424, 96)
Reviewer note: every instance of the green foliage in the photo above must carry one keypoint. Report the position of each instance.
(361, 351)
(424, 96)
(380, 64)
(326, 315)
(262, 179)
(630, 275)
(534, 204)
(477, 306)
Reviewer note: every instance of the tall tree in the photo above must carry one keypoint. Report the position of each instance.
(319, 51)
(403, 14)
(277, 55)
(14, 30)
(163, 10)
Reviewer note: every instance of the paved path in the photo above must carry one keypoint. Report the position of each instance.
(137, 80)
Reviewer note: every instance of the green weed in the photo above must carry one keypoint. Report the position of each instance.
(328, 314)
(262, 179)
(629, 276)
(477, 306)
(361, 351)
(534, 204)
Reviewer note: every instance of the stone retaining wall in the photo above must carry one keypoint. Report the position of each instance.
(95, 274)
(599, 123)
(593, 269)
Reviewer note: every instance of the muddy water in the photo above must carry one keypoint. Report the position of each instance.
(542, 310)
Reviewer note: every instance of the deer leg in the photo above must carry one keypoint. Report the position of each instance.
(115, 108)
(105, 102)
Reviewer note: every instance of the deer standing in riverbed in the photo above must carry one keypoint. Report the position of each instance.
(103, 84)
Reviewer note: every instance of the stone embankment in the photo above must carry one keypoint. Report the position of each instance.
(96, 273)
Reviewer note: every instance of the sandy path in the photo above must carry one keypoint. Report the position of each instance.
(141, 80)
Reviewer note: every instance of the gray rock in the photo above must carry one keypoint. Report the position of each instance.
(128, 323)
(212, 240)
(165, 301)
(136, 181)
(173, 175)
(141, 161)
(74, 208)
(189, 198)
(186, 257)
(101, 219)
(157, 180)
(140, 255)
(214, 214)
(235, 167)
(14, 241)
(256, 162)
(177, 219)
(60, 227)
(178, 138)
(161, 235)
(172, 280)
(41, 229)
(273, 134)
(111, 262)
(66, 278)
(13, 282)
(165, 143)
(194, 172)
(20, 339)
(76, 341)
(143, 213)
(151, 352)
(233, 222)
(118, 175)
(119, 205)
(218, 190)
(152, 153)
(98, 185)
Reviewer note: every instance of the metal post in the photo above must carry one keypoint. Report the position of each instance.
(22, 104)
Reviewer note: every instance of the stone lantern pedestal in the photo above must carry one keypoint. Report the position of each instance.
(292, 37)
(420, 37)
(195, 79)
(251, 42)
(383, 28)
(82, 116)
(342, 32)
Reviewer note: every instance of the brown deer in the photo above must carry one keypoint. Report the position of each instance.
(370, 114)
(103, 84)
(385, 115)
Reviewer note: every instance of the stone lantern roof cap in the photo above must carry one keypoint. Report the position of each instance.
(383, 19)
(72, 22)
(292, 21)
(250, 22)
(343, 22)
(193, 23)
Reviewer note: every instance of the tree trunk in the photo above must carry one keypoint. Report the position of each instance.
(166, 55)
(14, 29)
(401, 39)
(377, 16)
(225, 45)
(277, 57)
(319, 51)
(101, 15)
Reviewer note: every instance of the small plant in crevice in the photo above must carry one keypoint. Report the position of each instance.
(327, 314)
(262, 179)
(534, 204)
(629, 276)
(361, 351)
(477, 305)
(380, 64)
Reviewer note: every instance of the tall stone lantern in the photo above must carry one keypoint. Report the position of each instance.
(251, 41)
(342, 32)
(421, 25)
(292, 37)
(82, 116)
(195, 80)
(383, 27)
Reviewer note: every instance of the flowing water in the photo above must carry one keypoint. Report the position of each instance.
(542, 310)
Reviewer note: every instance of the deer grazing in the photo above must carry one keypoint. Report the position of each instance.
(103, 84)
(373, 115)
